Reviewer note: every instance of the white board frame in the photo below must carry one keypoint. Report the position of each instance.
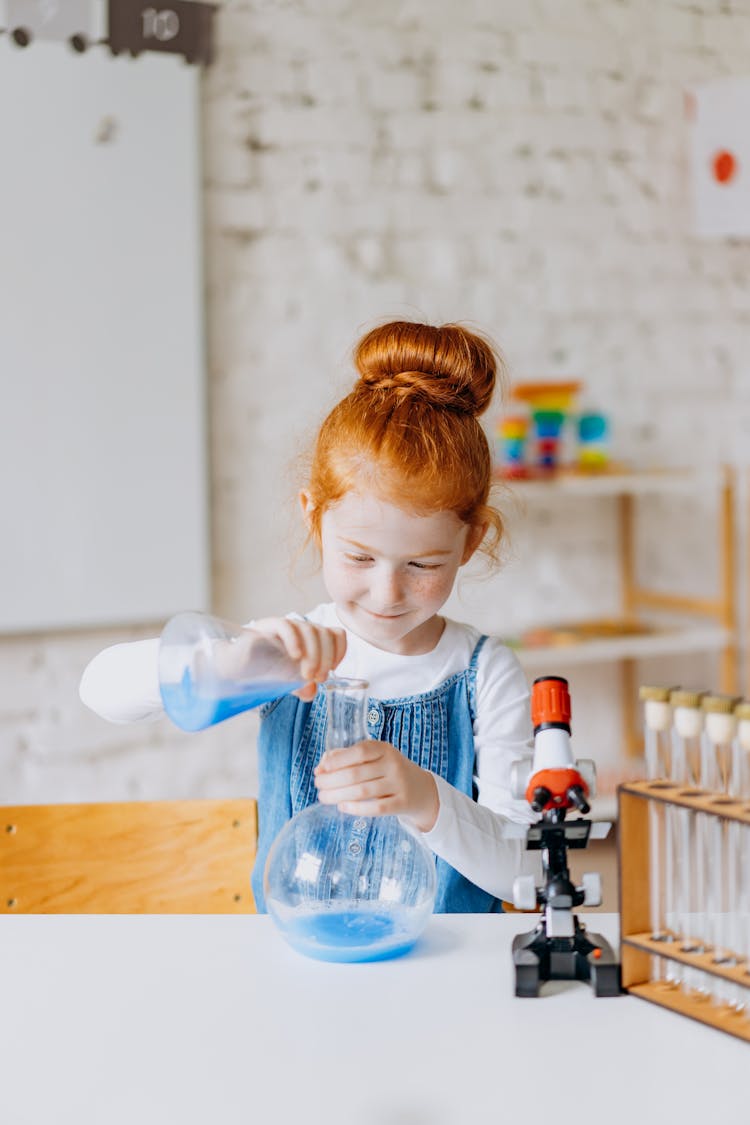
(103, 445)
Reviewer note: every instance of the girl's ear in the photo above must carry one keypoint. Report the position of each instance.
(474, 537)
(307, 506)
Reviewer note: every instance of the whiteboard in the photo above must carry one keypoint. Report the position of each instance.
(103, 462)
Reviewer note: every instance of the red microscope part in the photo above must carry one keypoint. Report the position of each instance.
(555, 782)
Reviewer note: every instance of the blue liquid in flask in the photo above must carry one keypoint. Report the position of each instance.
(192, 709)
(352, 935)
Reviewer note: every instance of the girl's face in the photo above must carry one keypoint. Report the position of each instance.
(389, 571)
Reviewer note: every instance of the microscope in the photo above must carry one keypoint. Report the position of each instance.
(559, 947)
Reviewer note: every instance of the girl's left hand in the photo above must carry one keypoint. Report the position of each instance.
(374, 779)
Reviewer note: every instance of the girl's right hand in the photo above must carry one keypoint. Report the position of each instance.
(317, 648)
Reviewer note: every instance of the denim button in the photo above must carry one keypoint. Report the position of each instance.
(373, 715)
(360, 823)
(355, 848)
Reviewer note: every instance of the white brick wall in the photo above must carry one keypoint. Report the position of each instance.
(521, 167)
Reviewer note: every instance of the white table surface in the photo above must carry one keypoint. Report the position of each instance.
(179, 1020)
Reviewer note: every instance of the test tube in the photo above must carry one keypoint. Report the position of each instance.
(657, 714)
(685, 770)
(716, 840)
(740, 916)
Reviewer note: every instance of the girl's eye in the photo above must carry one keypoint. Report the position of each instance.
(426, 566)
(359, 558)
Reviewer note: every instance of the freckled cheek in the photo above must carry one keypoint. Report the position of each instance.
(430, 588)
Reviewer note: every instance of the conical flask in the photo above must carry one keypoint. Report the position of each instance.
(349, 888)
(211, 669)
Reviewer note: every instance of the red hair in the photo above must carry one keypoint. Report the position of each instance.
(409, 430)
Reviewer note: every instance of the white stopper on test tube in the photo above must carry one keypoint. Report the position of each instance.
(688, 721)
(657, 714)
(742, 714)
(720, 728)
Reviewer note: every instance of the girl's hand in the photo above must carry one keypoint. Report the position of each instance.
(374, 779)
(318, 649)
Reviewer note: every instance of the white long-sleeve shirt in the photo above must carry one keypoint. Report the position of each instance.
(121, 684)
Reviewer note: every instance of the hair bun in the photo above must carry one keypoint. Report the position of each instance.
(448, 366)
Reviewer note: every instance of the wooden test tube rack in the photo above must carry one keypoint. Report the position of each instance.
(637, 946)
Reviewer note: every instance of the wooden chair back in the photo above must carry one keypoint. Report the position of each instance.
(135, 857)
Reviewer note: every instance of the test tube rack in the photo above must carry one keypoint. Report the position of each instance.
(638, 948)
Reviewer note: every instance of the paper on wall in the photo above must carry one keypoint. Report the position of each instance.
(719, 117)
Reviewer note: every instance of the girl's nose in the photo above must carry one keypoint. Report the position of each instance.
(388, 589)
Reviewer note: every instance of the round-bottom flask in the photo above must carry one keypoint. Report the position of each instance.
(349, 888)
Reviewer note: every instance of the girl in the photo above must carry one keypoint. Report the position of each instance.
(397, 501)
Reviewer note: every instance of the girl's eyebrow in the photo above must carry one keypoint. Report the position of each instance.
(369, 551)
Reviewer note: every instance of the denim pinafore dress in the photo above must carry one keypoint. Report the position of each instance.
(435, 730)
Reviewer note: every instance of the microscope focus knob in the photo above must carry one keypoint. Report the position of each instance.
(524, 892)
(591, 885)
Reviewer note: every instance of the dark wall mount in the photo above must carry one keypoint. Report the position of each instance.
(181, 27)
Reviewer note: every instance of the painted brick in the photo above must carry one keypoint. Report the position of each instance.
(521, 167)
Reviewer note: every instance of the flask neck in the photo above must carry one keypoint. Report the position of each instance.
(347, 712)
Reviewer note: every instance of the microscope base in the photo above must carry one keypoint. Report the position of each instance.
(587, 957)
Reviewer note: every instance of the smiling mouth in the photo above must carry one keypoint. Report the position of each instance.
(384, 616)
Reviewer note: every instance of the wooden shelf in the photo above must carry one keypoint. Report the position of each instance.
(645, 623)
(614, 483)
(674, 624)
(671, 951)
(688, 797)
(633, 646)
(696, 1008)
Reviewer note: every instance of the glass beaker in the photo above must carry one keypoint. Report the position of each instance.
(211, 669)
(342, 887)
